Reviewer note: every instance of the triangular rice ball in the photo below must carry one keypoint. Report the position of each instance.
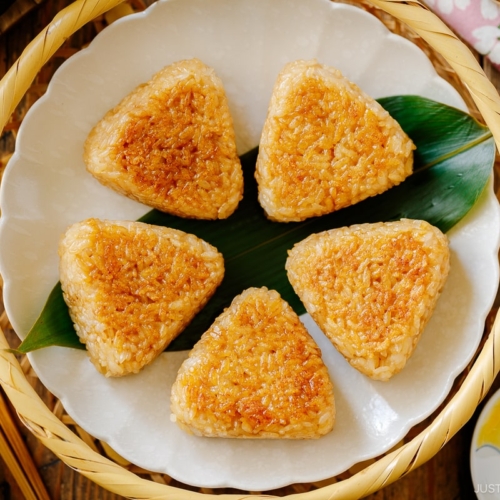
(326, 145)
(170, 144)
(256, 373)
(131, 288)
(371, 288)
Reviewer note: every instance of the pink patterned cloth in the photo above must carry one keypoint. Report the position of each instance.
(476, 21)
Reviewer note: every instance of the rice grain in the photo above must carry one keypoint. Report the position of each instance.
(255, 373)
(326, 145)
(131, 288)
(371, 288)
(170, 144)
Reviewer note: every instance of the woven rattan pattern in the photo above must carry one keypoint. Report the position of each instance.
(72, 485)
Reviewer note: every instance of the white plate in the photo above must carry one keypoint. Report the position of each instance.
(485, 451)
(46, 188)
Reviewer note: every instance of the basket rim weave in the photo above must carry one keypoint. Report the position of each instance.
(75, 453)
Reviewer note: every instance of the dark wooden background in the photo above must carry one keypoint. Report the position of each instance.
(445, 477)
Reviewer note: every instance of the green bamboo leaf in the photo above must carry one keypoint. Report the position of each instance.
(53, 327)
(453, 162)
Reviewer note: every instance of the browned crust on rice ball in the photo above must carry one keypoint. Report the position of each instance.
(326, 145)
(131, 288)
(256, 373)
(371, 288)
(170, 144)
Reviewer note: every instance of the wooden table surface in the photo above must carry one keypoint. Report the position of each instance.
(445, 477)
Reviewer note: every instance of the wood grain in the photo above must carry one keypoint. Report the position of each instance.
(12, 11)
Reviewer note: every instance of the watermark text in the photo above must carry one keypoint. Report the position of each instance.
(487, 488)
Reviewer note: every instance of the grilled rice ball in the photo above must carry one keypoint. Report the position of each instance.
(326, 145)
(170, 144)
(371, 288)
(131, 288)
(256, 373)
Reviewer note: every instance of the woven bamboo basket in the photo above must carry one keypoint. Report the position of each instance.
(455, 62)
